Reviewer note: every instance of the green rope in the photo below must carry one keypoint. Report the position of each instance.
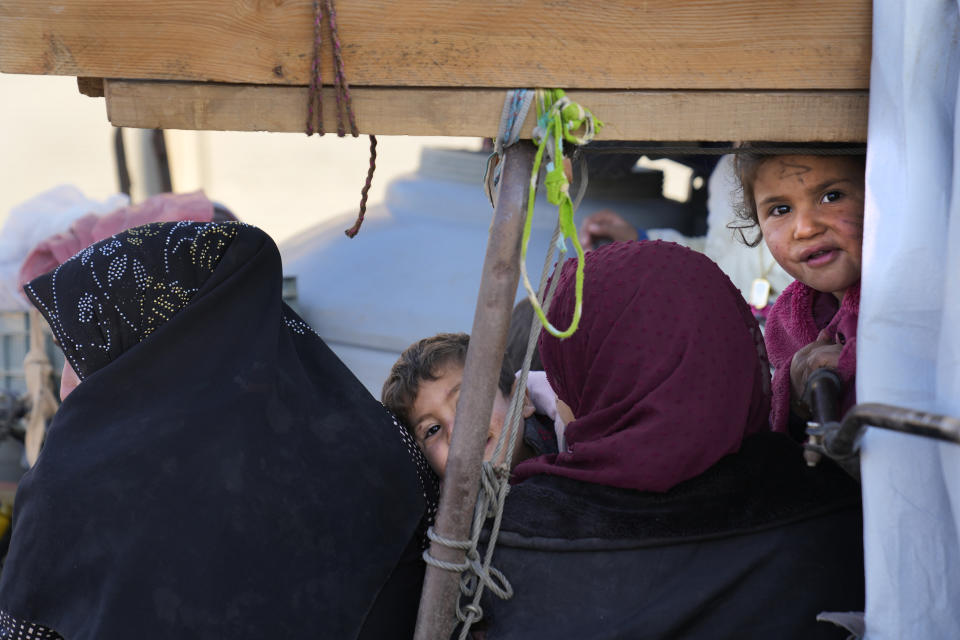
(558, 120)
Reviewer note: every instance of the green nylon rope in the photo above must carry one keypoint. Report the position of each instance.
(558, 120)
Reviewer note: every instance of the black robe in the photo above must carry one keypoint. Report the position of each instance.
(755, 547)
(219, 473)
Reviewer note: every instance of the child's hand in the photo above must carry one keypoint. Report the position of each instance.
(545, 402)
(822, 352)
(541, 394)
(605, 225)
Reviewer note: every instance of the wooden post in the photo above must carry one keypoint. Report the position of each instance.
(498, 287)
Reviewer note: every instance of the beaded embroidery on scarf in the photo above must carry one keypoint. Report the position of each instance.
(131, 285)
(13, 629)
(429, 482)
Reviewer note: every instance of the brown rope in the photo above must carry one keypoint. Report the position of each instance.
(315, 95)
(342, 92)
(352, 231)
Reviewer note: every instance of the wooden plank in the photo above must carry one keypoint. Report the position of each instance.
(615, 44)
(92, 87)
(629, 115)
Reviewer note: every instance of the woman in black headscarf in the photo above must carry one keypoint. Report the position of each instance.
(218, 472)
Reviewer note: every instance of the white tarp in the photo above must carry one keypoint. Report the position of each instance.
(35, 220)
(909, 335)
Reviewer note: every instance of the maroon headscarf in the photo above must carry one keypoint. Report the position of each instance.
(666, 374)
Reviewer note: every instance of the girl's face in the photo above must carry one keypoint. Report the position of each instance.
(810, 210)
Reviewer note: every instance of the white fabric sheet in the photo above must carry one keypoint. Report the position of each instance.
(33, 221)
(909, 334)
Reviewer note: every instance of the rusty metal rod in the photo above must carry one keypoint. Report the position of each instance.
(822, 397)
(840, 441)
(437, 618)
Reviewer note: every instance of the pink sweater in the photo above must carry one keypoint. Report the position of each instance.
(792, 324)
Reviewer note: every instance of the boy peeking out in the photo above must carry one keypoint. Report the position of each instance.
(422, 391)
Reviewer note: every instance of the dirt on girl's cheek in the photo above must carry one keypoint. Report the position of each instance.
(853, 223)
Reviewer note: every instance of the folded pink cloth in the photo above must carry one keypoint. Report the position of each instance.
(165, 207)
(794, 323)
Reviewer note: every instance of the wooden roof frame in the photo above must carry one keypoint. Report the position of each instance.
(656, 70)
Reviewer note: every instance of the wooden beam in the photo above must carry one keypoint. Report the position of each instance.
(488, 339)
(629, 115)
(615, 44)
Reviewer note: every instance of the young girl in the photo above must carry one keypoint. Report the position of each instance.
(809, 209)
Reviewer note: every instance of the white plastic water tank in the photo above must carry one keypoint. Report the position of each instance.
(414, 269)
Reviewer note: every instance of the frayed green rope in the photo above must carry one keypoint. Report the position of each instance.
(558, 120)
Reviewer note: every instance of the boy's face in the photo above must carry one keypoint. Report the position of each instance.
(433, 414)
(810, 210)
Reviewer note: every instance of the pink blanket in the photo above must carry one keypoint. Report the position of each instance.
(165, 207)
(791, 326)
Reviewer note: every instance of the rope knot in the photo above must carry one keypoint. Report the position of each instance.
(470, 613)
(556, 184)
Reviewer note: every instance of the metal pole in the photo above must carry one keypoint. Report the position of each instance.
(154, 164)
(163, 160)
(123, 171)
(841, 440)
(437, 618)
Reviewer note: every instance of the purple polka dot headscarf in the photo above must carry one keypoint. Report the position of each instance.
(666, 374)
